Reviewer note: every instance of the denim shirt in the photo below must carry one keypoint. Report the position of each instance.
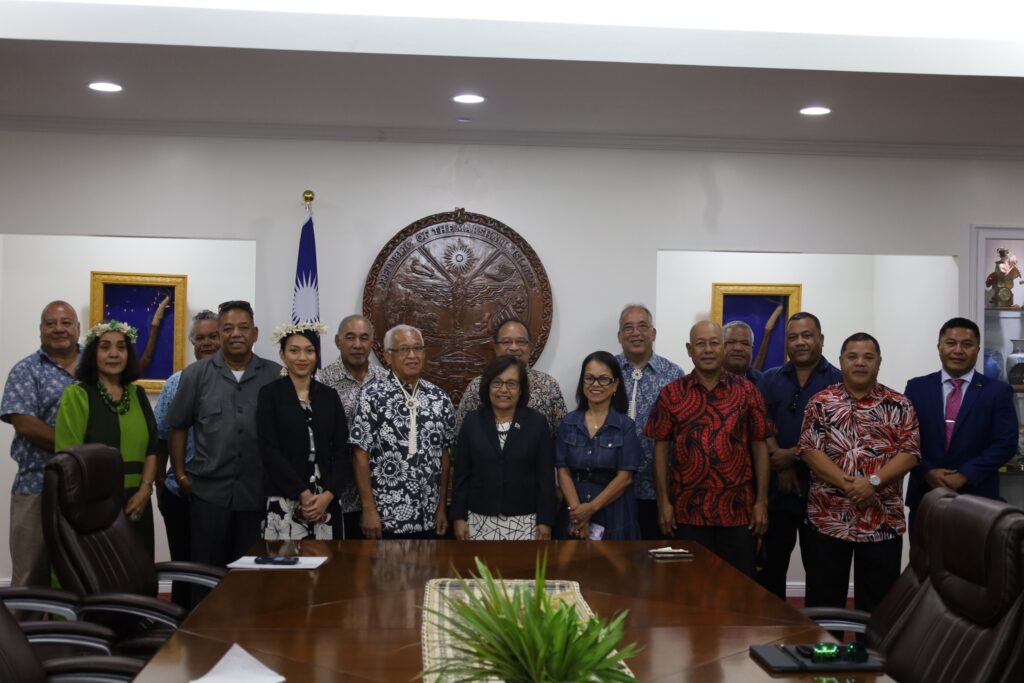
(163, 428)
(786, 401)
(614, 447)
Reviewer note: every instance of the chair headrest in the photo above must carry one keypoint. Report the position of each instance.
(91, 482)
(976, 557)
(926, 520)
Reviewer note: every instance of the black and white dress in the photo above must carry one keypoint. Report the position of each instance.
(284, 520)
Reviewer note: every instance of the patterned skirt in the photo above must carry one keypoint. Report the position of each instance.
(284, 522)
(501, 528)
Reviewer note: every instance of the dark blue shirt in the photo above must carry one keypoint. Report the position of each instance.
(786, 401)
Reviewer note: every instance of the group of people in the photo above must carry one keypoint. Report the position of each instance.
(743, 462)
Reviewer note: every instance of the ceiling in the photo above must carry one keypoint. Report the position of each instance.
(347, 95)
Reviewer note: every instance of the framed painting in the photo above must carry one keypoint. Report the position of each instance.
(153, 304)
(765, 307)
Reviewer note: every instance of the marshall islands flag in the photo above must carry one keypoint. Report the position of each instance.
(306, 295)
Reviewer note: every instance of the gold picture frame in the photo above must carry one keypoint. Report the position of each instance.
(755, 304)
(133, 298)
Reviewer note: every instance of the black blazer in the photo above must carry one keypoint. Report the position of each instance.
(284, 440)
(518, 480)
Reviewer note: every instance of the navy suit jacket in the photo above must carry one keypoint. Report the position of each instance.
(984, 438)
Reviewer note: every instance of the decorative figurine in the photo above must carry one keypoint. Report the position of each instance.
(1001, 279)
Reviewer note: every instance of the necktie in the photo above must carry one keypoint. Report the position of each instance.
(953, 407)
(637, 374)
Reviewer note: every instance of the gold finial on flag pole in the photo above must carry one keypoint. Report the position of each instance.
(307, 197)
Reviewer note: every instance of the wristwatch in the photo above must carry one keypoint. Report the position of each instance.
(874, 481)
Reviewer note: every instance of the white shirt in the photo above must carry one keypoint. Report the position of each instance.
(947, 386)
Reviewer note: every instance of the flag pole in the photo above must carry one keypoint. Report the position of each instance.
(307, 198)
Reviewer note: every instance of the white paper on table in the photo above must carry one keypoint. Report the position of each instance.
(238, 665)
(249, 562)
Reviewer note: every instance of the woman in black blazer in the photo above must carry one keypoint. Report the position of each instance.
(303, 442)
(504, 462)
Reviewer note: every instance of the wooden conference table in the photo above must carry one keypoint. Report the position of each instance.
(357, 618)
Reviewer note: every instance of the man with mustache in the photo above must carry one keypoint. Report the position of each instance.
(31, 398)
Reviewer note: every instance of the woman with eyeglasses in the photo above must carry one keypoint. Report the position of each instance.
(596, 453)
(504, 462)
(303, 442)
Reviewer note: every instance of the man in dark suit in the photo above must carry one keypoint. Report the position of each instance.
(968, 422)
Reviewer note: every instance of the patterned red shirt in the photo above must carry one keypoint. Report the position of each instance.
(711, 431)
(860, 436)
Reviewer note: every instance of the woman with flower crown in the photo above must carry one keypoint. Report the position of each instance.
(303, 442)
(103, 406)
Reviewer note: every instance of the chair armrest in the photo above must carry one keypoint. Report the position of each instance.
(190, 572)
(136, 605)
(40, 599)
(77, 633)
(96, 667)
(838, 618)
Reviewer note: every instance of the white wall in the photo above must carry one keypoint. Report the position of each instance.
(901, 300)
(597, 218)
(37, 269)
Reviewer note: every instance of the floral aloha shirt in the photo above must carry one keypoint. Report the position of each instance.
(406, 487)
(337, 377)
(545, 397)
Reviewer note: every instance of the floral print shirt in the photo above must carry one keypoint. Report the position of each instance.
(545, 397)
(860, 436)
(712, 473)
(655, 374)
(337, 377)
(34, 388)
(406, 487)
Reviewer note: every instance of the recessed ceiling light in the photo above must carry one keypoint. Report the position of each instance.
(815, 111)
(469, 98)
(103, 86)
(463, 120)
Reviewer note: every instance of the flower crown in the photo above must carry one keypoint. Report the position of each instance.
(289, 329)
(98, 331)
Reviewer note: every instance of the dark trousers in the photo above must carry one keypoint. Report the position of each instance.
(175, 511)
(221, 535)
(647, 517)
(351, 528)
(784, 527)
(876, 566)
(734, 544)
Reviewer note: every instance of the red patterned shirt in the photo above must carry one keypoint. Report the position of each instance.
(711, 431)
(860, 436)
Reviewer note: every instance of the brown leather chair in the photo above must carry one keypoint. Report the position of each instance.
(19, 660)
(878, 625)
(966, 621)
(94, 551)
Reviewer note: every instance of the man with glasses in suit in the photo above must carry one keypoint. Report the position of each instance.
(786, 390)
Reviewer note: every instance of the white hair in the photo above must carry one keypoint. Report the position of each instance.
(737, 323)
(395, 330)
(636, 307)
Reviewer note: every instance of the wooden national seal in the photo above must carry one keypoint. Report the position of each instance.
(457, 276)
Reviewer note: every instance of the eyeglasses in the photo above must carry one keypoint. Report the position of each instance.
(408, 350)
(520, 341)
(629, 328)
(510, 384)
(602, 381)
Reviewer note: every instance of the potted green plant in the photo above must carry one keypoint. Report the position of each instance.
(524, 635)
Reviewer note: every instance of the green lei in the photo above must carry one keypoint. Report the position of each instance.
(117, 407)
